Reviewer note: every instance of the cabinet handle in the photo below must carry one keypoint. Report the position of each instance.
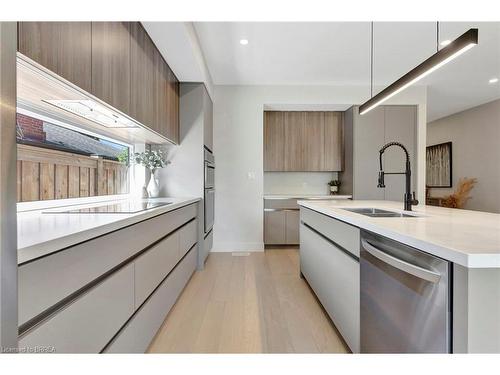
(402, 265)
(280, 209)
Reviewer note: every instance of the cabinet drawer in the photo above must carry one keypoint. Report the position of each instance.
(46, 281)
(188, 235)
(136, 336)
(334, 277)
(341, 233)
(281, 203)
(152, 266)
(87, 324)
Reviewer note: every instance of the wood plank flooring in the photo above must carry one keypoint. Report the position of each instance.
(248, 304)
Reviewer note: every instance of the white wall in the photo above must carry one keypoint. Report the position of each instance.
(475, 137)
(238, 149)
(298, 182)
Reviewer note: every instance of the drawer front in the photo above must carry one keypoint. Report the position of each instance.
(87, 324)
(141, 329)
(274, 227)
(334, 277)
(46, 281)
(152, 266)
(339, 232)
(280, 203)
(188, 236)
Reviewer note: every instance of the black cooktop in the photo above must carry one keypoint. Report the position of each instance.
(115, 208)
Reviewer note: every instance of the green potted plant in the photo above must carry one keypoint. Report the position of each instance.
(153, 161)
(334, 186)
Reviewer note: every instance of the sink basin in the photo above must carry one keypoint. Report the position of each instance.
(377, 212)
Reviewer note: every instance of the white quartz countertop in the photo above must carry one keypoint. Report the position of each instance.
(469, 238)
(39, 234)
(306, 196)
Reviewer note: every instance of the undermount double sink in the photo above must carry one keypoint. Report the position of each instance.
(377, 212)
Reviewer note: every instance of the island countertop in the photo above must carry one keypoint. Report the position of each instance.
(39, 233)
(468, 238)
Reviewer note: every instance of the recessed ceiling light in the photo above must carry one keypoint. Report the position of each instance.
(243, 42)
(493, 80)
(444, 43)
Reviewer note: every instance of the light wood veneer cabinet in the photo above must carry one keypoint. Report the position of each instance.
(314, 141)
(111, 63)
(303, 141)
(295, 133)
(63, 47)
(333, 157)
(142, 76)
(115, 61)
(274, 141)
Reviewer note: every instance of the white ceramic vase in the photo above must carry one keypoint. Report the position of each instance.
(154, 184)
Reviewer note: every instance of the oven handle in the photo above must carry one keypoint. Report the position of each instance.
(412, 269)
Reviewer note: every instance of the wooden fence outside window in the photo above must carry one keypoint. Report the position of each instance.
(44, 174)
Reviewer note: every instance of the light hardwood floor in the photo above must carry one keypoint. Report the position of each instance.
(248, 304)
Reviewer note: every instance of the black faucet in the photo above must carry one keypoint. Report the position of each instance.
(409, 198)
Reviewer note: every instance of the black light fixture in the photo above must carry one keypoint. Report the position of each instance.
(460, 45)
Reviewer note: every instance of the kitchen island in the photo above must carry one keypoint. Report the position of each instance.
(469, 240)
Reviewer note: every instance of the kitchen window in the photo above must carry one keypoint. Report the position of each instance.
(56, 162)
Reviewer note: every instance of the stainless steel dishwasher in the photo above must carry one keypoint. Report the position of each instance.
(405, 298)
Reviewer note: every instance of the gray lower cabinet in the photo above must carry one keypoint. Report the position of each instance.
(156, 263)
(136, 336)
(87, 324)
(332, 271)
(40, 287)
(274, 227)
(281, 222)
(79, 299)
(292, 221)
(281, 226)
(152, 266)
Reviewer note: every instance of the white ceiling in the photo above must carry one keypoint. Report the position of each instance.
(338, 53)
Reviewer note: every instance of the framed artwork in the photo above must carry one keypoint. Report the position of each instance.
(439, 166)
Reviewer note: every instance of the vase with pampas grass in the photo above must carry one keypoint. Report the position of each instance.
(461, 195)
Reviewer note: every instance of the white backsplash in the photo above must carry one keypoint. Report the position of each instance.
(297, 182)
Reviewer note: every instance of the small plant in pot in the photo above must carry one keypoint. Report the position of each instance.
(153, 161)
(334, 186)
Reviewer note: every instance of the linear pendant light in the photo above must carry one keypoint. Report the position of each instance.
(460, 45)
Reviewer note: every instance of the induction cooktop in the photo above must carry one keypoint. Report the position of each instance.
(115, 208)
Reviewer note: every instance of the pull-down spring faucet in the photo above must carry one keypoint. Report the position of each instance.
(409, 198)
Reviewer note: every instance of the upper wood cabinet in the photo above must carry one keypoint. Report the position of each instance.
(167, 99)
(63, 47)
(114, 61)
(142, 76)
(314, 141)
(303, 141)
(274, 141)
(334, 144)
(173, 107)
(295, 146)
(161, 92)
(111, 63)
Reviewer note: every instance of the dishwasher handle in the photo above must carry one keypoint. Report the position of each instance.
(402, 265)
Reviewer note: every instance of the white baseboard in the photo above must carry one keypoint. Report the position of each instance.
(229, 247)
